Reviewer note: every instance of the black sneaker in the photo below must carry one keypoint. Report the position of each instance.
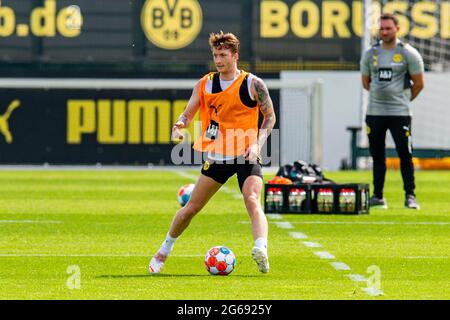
(376, 202)
(411, 202)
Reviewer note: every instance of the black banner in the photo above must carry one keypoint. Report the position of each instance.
(62, 126)
(142, 37)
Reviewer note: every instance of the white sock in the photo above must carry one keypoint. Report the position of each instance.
(167, 245)
(261, 243)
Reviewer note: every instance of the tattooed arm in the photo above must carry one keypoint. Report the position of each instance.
(261, 93)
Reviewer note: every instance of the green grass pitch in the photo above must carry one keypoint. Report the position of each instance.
(89, 235)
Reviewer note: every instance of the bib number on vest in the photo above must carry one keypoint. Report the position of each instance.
(385, 74)
(212, 130)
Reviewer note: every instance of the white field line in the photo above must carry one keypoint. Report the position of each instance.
(298, 235)
(373, 292)
(274, 216)
(95, 255)
(105, 167)
(284, 225)
(357, 278)
(427, 257)
(311, 244)
(324, 255)
(97, 167)
(30, 221)
(128, 84)
(186, 175)
(225, 189)
(235, 194)
(373, 223)
(340, 266)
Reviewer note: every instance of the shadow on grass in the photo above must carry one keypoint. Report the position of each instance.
(125, 276)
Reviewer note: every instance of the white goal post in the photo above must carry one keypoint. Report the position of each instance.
(299, 118)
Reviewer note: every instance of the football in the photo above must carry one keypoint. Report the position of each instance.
(220, 260)
(185, 193)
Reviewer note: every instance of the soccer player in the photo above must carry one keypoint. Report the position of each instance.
(229, 101)
(392, 71)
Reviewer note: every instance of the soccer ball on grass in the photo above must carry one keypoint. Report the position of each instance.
(220, 260)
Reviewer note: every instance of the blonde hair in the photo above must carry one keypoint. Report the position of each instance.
(224, 41)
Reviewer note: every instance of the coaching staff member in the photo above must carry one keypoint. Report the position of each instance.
(392, 71)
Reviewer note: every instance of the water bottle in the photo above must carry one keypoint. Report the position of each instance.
(329, 203)
(351, 200)
(278, 200)
(325, 200)
(319, 200)
(364, 205)
(301, 197)
(270, 204)
(343, 195)
(347, 200)
(343, 200)
(296, 197)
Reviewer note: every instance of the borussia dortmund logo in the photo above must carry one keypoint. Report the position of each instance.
(206, 165)
(171, 24)
(397, 58)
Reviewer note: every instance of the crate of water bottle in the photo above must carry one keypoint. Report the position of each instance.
(281, 198)
(274, 198)
(298, 198)
(323, 199)
(353, 198)
(350, 198)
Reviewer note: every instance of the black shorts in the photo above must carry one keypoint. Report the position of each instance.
(222, 171)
